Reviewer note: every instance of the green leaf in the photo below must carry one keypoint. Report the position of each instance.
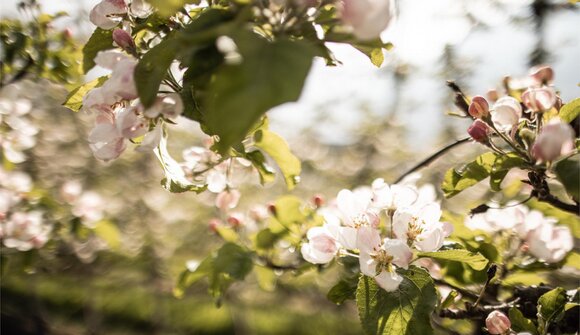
(405, 311)
(270, 73)
(259, 162)
(233, 260)
(265, 239)
(74, 100)
(551, 307)
(568, 173)
(277, 148)
(474, 259)
(152, 69)
(170, 7)
(520, 323)
(376, 55)
(456, 181)
(188, 278)
(100, 40)
(449, 299)
(175, 180)
(289, 210)
(501, 167)
(344, 290)
(570, 111)
(266, 278)
(573, 260)
(228, 234)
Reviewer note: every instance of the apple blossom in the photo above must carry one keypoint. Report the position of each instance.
(550, 243)
(105, 140)
(170, 106)
(367, 18)
(479, 108)
(25, 231)
(151, 140)
(379, 260)
(392, 197)
(555, 140)
(356, 211)
(539, 99)
(420, 227)
(71, 190)
(124, 40)
(479, 131)
(322, 244)
(108, 13)
(140, 8)
(506, 113)
(542, 74)
(89, 208)
(497, 323)
(130, 123)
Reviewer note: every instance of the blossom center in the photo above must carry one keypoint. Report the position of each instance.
(384, 261)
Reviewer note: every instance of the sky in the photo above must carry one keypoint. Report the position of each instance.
(422, 30)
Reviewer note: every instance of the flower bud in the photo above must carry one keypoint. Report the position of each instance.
(272, 209)
(213, 225)
(479, 108)
(506, 113)
(479, 131)
(539, 99)
(235, 220)
(497, 323)
(318, 201)
(556, 139)
(542, 74)
(124, 40)
(367, 18)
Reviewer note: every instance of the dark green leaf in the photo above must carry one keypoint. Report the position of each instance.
(270, 73)
(344, 290)
(474, 259)
(456, 181)
(74, 101)
(551, 308)
(233, 260)
(100, 40)
(406, 311)
(568, 173)
(265, 239)
(152, 69)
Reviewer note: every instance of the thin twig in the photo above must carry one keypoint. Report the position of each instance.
(432, 158)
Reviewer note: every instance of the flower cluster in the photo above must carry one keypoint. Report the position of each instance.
(384, 223)
(18, 133)
(120, 115)
(539, 235)
(544, 143)
(20, 229)
(109, 13)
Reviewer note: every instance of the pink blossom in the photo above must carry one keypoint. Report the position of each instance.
(497, 323)
(555, 140)
(506, 113)
(542, 74)
(479, 131)
(367, 18)
(539, 99)
(108, 13)
(170, 106)
(25, 231)
(124, 40)
(227, 200)
(105, 140)
(550, 243)
(420, 227)
(479, 107)
(322, 244)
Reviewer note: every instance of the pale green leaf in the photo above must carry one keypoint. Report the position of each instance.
(570, 111)
(457, 180)
(568, 173)
(520, 323)
(74, 100)
(100, 40)
(474, 259)
(109, 233)
(277, 148)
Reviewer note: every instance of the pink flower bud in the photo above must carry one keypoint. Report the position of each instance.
(542, 74)
(227, 200)
(272, 209)
(556, 139)
(235, 220)
(539, 99)
(124, 40)
(367, 18)
(479, 131)
(479, 107)
(497, 323)
(318, 201)
(213, 225)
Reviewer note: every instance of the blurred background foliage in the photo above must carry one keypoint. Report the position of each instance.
(118, 276)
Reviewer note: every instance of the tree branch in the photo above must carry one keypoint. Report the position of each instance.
(432, 158)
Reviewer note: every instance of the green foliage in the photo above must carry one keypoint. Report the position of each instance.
(551, 308)
(100, 40)
(231, 262)
(109, 233)
(568, 173)
(405, 311)
(487, 165)
(474, 259)
(344, 290)
(570, 111)
(269, 74)
(277, 148)
(520, 323)
(170, 7)
(152, 69)
(259, 162)
(74, 100)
